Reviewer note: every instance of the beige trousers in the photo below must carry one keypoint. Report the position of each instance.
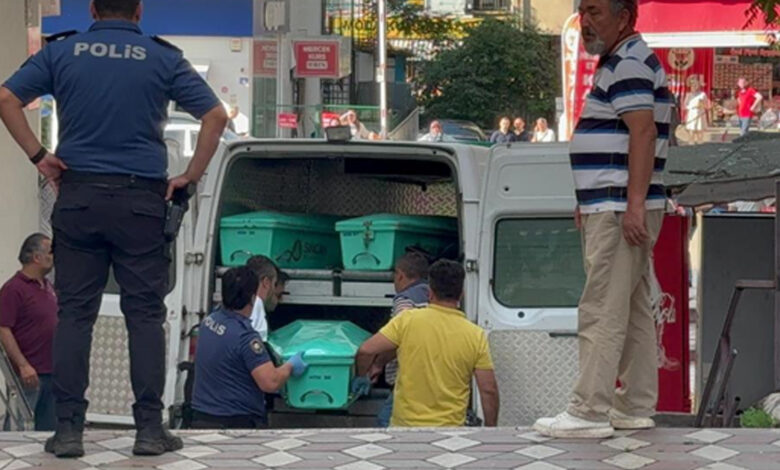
(617, 336)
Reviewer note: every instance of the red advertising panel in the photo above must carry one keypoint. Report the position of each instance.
(265, 57)
(672, 317)
(329, 119)
(288, 120)
(316, 58)
(683, 67)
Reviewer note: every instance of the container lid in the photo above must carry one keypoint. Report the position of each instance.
(267, 219)
(395, 222)
(320, 339)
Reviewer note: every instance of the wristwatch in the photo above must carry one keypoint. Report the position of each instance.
(39, 156)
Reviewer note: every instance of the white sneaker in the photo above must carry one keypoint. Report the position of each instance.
(567, 426)
(621, 420)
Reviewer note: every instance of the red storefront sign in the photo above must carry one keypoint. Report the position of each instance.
(264, 56)
(316, 58)
(321, 58)
(287, 120)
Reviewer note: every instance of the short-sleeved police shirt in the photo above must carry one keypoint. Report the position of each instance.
(229, 349)
(112, 86)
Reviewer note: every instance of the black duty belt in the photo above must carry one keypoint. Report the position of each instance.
(114, 180)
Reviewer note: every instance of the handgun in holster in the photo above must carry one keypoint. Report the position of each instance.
(177, 207)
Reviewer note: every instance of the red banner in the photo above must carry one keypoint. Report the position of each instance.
(579, 70)
(684, 66)
(265, 57)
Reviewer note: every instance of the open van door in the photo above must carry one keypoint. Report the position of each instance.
(110, 392)
(530, 277)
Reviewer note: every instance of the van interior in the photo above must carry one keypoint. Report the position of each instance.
(347, 186)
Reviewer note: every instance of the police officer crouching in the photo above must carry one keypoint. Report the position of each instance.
(232, 367)
(112, 85)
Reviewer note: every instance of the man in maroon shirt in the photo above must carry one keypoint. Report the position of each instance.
(28, 316)
(749, 101)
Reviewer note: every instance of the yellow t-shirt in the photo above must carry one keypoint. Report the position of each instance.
(438, 351)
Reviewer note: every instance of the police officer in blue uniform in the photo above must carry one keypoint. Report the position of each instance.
(232, 366)
(112, 86)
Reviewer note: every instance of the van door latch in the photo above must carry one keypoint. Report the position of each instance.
(193, 258)
(471, 266)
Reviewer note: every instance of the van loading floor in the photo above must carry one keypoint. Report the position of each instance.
(375, 449)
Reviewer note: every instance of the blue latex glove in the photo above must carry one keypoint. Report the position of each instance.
(361, 385)
(298, 364)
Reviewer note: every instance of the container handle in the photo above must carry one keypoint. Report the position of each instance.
(237, 252)
(317, 392)
(369, 254)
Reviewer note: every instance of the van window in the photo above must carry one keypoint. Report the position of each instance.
(538, 263)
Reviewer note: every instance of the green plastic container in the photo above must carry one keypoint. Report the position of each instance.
(291, 240)
(374, 242)
(330, 348)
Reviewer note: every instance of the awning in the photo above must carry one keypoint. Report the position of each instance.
(697, 16)
(744, 170)
(708, 40)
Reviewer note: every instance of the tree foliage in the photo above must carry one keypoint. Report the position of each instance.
(410, 21)
(769, 10)
(500, 68)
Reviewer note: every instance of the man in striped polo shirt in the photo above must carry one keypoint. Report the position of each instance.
(617, 154)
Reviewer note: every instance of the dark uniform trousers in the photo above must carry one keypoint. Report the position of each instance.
(202, 420)
(103, 221)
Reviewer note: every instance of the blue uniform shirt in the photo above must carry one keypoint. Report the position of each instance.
(229, 349)
(112, 86)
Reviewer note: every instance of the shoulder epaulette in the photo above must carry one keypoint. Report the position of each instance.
(165, 43)
(62, 35)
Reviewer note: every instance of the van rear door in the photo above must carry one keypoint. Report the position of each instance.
(531, 272)
(530, 278)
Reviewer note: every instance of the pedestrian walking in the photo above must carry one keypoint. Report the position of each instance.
(696, 105)
(748, 104)
(28, 316)
(112, 85)
(617, 153)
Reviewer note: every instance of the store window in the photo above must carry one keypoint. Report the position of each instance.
(538, 263)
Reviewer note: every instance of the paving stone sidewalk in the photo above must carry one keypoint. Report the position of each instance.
(373, 449)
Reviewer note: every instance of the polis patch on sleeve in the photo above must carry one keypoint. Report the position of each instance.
(256, 345)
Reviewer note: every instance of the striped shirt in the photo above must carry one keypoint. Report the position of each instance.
(629, 79)
(414, 296)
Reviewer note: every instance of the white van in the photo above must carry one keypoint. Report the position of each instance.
(517, 242)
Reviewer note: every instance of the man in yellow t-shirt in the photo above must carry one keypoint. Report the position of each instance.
(438, 351)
